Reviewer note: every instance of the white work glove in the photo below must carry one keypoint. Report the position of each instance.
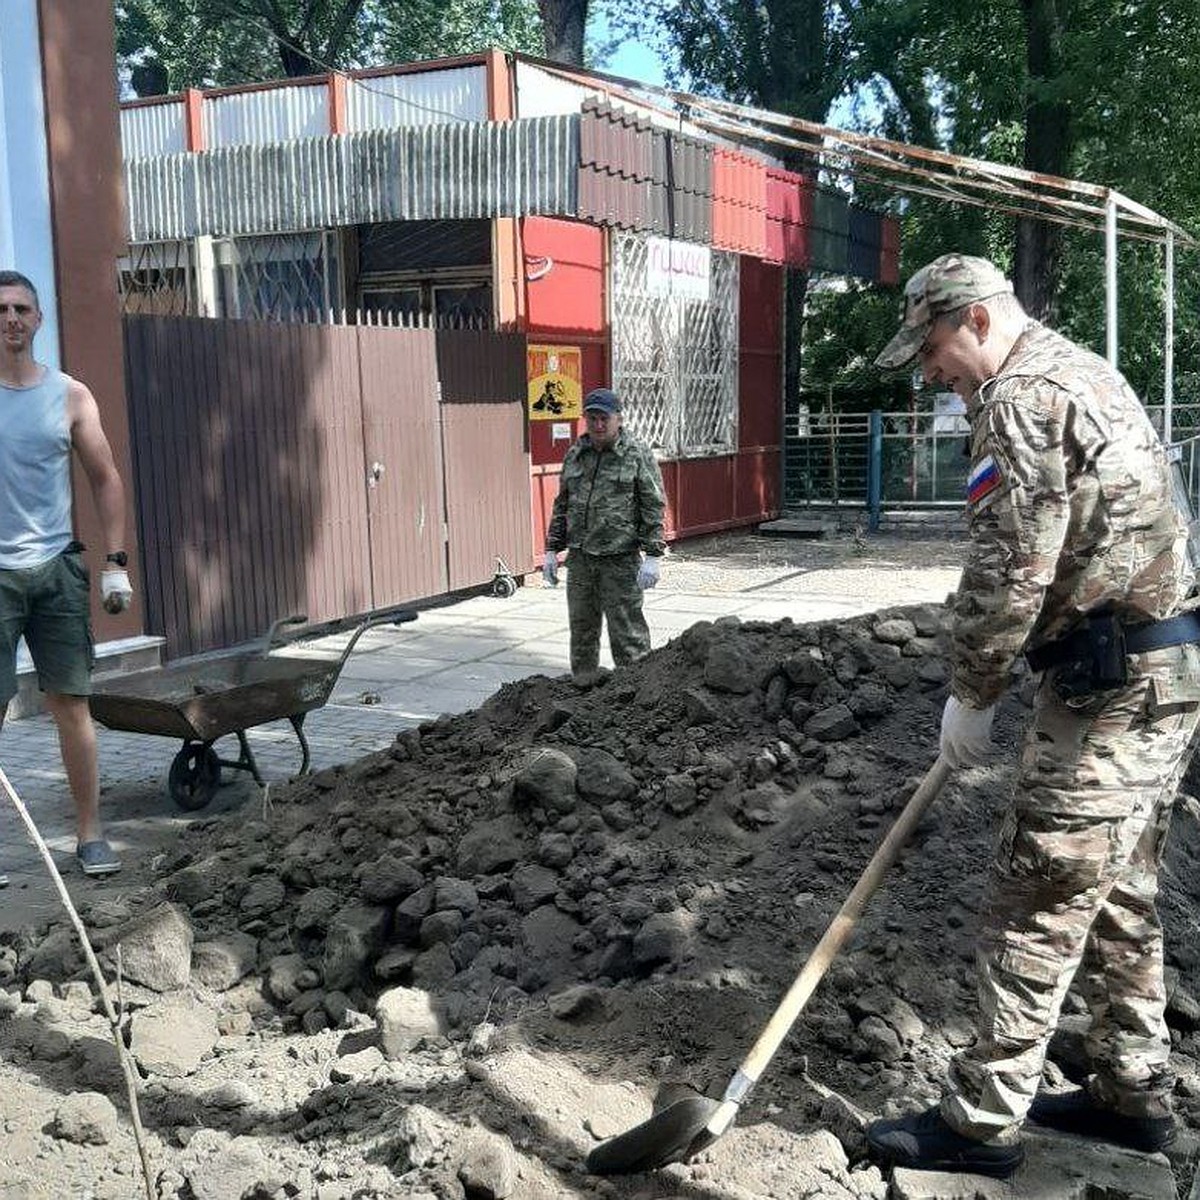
(966, 733)
(550, 568)
(647, 573)
(116, 592)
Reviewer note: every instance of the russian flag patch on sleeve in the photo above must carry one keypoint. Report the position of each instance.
(984, 479)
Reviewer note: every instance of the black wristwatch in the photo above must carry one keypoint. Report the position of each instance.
(118, 558)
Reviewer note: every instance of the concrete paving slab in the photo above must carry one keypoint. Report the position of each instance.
(703, 607)
(387, 667)
(803, 609)
(546, 659)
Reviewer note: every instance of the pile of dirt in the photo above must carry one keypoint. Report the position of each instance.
(449, 968)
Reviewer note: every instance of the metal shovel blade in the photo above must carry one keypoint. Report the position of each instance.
(672, 1135)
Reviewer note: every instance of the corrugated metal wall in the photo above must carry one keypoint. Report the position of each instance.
(477, 366)
(510, 168)
(416, 98)
(275, 114)
(789, 217)
(633, 175)
(739, 203)
(247, 448)
(155, 128)
(403, 452)
(487, 488)
(253, 446)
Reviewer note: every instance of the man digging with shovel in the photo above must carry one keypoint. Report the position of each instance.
(1078, 559)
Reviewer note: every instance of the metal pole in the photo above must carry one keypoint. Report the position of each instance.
(1110, 278)
(875, 471)
(1169, 343)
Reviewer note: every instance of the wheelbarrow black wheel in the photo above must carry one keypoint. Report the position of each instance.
(504, 586)
(194, 777)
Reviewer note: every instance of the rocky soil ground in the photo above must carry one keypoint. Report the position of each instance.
(449, 969)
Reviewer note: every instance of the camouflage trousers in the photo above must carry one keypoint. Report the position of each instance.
(604, 587)
(1071, 899)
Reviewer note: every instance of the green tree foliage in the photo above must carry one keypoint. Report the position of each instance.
(1101, 90)
(167, 45)
(787, 55)
(564, 23)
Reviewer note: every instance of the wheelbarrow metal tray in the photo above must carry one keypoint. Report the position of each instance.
(205, 701)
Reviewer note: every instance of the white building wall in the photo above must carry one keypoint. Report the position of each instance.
(267, 115)
(26, 239)
(417, 98)
(153, 129)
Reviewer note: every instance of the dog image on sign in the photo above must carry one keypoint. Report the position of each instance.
(555, 383)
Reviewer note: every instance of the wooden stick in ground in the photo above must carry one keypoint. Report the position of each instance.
(127, 1068)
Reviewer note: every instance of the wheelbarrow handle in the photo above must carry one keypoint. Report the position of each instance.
(269, 640)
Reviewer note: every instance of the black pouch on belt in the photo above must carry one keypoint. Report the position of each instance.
(1090, 660)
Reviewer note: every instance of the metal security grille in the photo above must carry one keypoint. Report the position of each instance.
(278, 277)
(675, 358)
(157, 278)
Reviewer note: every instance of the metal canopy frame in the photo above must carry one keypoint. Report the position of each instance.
(953, 178)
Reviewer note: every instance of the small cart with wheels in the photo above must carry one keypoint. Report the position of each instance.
(201, 702)
(504, 582)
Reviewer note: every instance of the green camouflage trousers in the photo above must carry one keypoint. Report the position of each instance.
(1070, 897)
(604, 586)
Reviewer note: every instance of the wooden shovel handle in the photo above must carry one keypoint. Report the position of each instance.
(843, 924)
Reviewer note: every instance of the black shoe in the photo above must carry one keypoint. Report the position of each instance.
(925, 1142)
(1076, 1112)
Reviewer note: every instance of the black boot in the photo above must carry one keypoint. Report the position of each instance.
(1076, 1112)
(925, 1142)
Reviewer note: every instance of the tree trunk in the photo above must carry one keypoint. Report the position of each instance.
(563, 23)
(1048, 141)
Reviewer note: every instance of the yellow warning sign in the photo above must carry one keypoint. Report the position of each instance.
(555, 383)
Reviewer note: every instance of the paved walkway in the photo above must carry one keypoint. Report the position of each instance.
(449, 660)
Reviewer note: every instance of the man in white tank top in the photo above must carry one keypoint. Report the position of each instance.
(45, 416)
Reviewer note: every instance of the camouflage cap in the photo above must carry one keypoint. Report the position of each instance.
(940, 287)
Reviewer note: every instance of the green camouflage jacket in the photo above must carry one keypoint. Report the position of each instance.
(1070, 508)
(609, 502)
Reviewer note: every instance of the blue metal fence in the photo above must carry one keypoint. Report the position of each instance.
(876, 460)
(894, 460)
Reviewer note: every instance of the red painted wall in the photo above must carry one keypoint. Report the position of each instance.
(565, 305)
(565, 302)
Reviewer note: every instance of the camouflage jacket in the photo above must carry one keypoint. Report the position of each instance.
(609, 502)
(1070, 509)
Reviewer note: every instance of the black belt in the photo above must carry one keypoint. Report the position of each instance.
(1152, 635)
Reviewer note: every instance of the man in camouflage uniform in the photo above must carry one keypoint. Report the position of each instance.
(608, 513)
(1072, 525)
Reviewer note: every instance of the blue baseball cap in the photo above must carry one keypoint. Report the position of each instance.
(602, 399)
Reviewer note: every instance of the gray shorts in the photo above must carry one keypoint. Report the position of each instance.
(49, 605)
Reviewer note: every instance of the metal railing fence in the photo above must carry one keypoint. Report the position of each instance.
(896, 460)
(919, 459)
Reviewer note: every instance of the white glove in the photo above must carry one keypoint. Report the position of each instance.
(647, 573)
(966, 733)
(116, 592)
(550, 568)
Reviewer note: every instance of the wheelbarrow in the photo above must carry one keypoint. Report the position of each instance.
(200, 702)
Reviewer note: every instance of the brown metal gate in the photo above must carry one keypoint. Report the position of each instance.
(404, 464)
(305, 468)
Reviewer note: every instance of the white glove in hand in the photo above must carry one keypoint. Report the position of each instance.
(966, 733)
(116, 592)
(550, 568)
(647, 573)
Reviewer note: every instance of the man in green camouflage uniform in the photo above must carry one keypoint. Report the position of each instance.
(1074, 535)
(608, 513)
